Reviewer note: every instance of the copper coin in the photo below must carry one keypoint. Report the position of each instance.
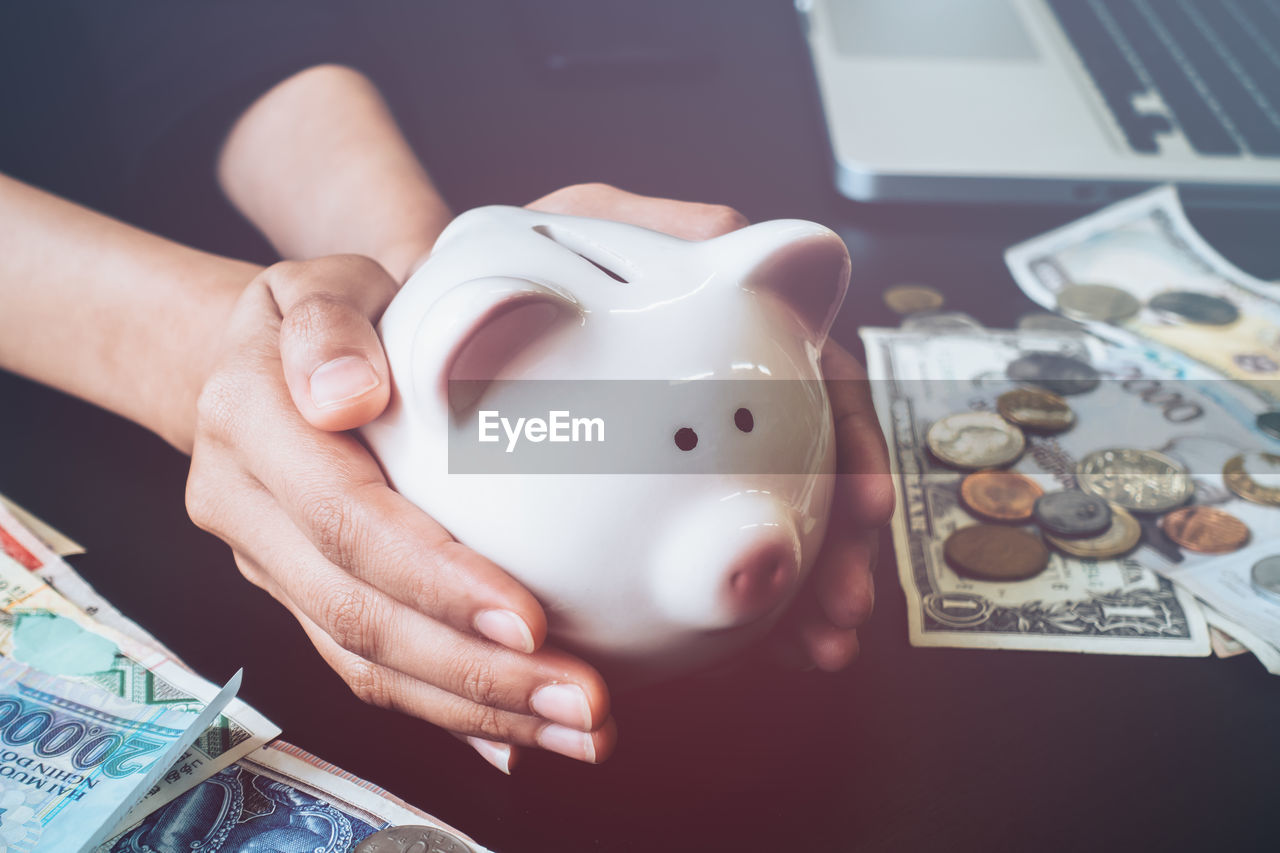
(1035, 409)
(1205, 529)
(1120, 538)
(910, 298)
(995, 553)
(1253, 476)
(1000, 495)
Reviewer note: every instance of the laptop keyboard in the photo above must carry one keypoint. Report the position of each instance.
(1214, 63)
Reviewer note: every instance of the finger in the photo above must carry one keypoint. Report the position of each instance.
(333, 362)
(843, 578)
(374, 627)
(503, 756)
(387, 688)
(334, 492)
(684, 219)
(864, 484)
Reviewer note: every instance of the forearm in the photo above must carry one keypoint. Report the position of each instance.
(320, 167)
(115, 315)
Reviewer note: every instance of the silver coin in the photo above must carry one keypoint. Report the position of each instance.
(941, 321)
(1269, 423)
(1195, 307)
(413, 839)
(1060, 374)
(1072, 514)
(1265, 577)
(1140, 480)
(1043, 321)
(972, 440)
(1100, 302)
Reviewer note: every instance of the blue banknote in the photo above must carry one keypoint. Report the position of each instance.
(74, 758)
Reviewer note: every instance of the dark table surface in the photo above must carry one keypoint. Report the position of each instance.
(910, 749)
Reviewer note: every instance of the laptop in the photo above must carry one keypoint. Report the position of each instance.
(1071, 101)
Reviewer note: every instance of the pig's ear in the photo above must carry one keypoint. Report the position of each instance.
(475, 330)
(803, 264)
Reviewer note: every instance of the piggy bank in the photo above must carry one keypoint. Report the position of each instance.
(677, 532)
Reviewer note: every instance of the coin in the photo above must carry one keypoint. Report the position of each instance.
(1100, 302)
(910, 298)
(1192, 307)
(1254, 477)
(1269, 423)
(413, 839)
(1265, 577)
(992, 552)
(1141, 480)
(941, 321)
(1000, 495)
(1205, 529)
(1057, 373)
(975, 440)
(1072, 514)
(1120, 538)
(1043, 321)
(1035, 409)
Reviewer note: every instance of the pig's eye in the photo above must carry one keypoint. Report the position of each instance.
(742, 418)
(686, 439)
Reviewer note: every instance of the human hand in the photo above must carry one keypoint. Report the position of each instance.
(820, 628)
(409, 618)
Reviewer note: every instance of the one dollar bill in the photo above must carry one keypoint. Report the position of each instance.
(1117, 606)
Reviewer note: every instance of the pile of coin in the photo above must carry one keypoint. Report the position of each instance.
(1096, 520)
(1106, 304)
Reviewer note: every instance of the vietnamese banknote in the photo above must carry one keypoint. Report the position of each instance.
(1191, 299)
(74, 758)
(41, 628)
(26, 548)
(277, 795)
(1118, 606)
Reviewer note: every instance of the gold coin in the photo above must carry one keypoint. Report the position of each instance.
(975, 440)
(910, 298)
(1035, 409)
(1000, 495)
(1205, 529)
(1253, 476)
(1120, 538)
(992, 552)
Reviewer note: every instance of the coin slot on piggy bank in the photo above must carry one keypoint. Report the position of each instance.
(632, 425)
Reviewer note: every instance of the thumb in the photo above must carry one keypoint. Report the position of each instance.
(333, 362)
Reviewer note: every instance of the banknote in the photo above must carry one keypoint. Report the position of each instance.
(59, 542)
(41, 628)
(74, 758)
(1190, 298)
(1117, 606)
(1267, 654)
(1224, 645)
(1225, 584)
(24, 546)
(278, 798)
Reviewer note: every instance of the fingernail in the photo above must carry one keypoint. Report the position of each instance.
(342, 379)
(497, 754)
(563, 703)
(568, 742)
(505, 627)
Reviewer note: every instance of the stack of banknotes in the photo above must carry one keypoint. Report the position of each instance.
(1106, 477)
(109, 742)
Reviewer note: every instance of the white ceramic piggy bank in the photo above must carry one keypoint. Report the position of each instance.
(689, 539)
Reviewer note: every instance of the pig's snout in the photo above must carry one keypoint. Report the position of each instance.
(728, 564)
(760, 578)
